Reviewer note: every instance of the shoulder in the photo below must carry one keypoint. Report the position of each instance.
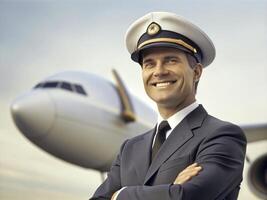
(145, 136)
(215, 127)
(140, 137)
(215, 123)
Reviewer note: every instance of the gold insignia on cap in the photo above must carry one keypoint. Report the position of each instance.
(153, 29)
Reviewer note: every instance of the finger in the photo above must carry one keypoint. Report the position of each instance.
(189, 170)
(192, 168)
(189, 173)
(192, 165)
(182, 180)
(181, 177)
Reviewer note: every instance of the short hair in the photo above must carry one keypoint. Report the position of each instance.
(192, 62)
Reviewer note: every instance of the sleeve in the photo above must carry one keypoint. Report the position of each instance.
(221, 156)
(116, 196)
(112, 182)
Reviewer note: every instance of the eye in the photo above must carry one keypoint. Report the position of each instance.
(148, 65)
(171, 61)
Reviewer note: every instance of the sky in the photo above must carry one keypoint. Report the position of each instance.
(39, 38)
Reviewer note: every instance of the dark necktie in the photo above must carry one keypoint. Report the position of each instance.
(160, 137)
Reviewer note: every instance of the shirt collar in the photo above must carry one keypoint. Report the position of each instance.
(175, 119)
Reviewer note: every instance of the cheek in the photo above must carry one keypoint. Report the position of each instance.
(185, 84)
(144, 80)
(188, 77)
(145, 77)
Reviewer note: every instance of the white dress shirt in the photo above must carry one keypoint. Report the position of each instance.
(175, 119)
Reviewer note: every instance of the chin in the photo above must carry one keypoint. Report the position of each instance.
(165, 101)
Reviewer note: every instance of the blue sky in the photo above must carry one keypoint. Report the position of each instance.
(39, 38)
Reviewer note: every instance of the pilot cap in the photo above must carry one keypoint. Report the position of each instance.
(164, 29)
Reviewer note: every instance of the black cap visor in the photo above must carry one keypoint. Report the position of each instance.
(137, 55)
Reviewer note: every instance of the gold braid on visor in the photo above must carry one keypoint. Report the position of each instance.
(170, 40)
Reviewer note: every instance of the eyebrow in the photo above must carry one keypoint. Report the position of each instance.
(171, 57)
(145, 60)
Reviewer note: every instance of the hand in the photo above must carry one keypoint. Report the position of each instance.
(113, 196)
(187, 173)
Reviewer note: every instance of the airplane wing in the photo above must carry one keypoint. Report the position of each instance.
(255, 133)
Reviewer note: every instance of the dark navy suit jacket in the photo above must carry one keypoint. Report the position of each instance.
(218, 146)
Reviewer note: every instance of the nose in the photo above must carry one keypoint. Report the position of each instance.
(33, 113)
(160, 69)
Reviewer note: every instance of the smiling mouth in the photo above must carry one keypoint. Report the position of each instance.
(163, 84)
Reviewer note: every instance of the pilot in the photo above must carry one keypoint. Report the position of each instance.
(189, 154)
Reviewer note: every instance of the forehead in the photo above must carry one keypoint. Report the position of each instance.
(161, 52)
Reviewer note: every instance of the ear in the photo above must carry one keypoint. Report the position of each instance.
(197, 71)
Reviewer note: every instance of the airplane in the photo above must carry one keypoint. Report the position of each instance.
(70, 113)
(83, 119)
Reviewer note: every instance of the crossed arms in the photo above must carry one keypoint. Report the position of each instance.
(221, 158)
(182, 177)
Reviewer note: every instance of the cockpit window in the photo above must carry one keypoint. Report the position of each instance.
(66, 86)
(79, 89)
(53, 84)
(62, 84)
(39, 85)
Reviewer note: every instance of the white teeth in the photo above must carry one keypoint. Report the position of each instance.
(163, 84)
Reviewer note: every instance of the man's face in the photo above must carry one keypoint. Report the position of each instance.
(168, 78)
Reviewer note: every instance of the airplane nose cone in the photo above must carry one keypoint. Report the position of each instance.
(33, 113)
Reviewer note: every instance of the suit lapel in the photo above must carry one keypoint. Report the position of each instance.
(180, 135)
(142, 148)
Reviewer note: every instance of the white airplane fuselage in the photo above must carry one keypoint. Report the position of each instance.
(84, 129)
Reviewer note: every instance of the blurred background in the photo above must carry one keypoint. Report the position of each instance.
(39, 38)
